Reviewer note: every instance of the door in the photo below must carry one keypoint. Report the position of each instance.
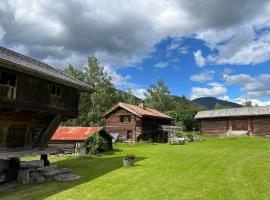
(129, 134)
(239, 125)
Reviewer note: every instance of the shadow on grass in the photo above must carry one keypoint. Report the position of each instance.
(88, 168)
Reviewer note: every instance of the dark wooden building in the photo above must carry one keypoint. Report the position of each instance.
(34, 99)
(136, 122)
(233, 121)
(70, 139)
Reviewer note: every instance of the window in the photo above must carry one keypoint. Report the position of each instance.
(7, 85)
(125, 118)
(7, 79)
(56, 90)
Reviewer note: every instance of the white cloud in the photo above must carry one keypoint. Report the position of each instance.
(139, 92)
(257, 86)
(183, 50)
(122, 33)
(241, 101)
(117, 79)
(253, 101)
(215, 90)
(161, 65)
(203, 77)
(199, 59)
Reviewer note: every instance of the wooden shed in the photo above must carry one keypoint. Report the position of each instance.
(34, 99)
(69, 138)
(136, 122)
(249, 120)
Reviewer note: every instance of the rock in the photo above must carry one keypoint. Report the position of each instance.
(23, 176)
(4, 164)
(2, 177)
(35, 178)
(57, 172)
(45, 169)
(66, 177)
(32, 164)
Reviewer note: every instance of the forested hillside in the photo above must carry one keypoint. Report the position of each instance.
(213, 103)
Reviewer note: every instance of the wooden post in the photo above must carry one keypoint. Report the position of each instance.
(45, 158)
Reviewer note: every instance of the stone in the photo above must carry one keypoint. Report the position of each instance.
(2, 177)
(44, 169)
(32, 164)
(4, 164)
(35, 178)
(66, 177)
(23, 176)
(57, 172)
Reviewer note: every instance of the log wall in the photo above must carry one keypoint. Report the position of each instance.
(37, 93)
(22, 129)
(261, 126)
(216, 127)
(114, 125)
(255, 125)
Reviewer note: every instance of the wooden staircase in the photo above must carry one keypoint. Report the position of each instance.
(50, 131)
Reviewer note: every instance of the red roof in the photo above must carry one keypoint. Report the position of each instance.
(75, 133)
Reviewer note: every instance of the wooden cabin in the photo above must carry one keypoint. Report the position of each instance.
(136, 122)
(71, 139)
(34, 99)
(246, 120)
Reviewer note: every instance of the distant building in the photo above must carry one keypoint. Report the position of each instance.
(249, 120)
(69, 138)
(136, 122)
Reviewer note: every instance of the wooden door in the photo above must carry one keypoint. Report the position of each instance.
(129, 134)
(16, 136)
(239, 125)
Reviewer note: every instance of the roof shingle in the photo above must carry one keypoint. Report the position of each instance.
(75, 133)
(36, 68)
(234, 112)
(140, 112)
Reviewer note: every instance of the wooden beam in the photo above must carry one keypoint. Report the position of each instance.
(50, 131)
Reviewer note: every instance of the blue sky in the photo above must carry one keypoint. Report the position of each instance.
(200, 48)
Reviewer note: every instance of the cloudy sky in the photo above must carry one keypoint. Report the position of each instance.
(200, 47)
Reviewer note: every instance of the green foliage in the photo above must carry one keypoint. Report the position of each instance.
(219, 106)
(94, 144)
(190, 135)
(210, 102)
(158, 97)
(247, 104)
(93, 106)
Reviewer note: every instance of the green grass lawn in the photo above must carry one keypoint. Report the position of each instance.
(216, 168)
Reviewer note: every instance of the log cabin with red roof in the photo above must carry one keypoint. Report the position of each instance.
(136, 122)
(68, 138)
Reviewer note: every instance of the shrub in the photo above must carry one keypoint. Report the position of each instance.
(95, 144)
(179, 134)
(190, 135)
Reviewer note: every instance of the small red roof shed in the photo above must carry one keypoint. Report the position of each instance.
(75, 133)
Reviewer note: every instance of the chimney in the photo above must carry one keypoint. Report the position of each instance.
(141, 104)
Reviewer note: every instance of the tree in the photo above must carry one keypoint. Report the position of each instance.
(247, 104)
(92, 106)
(158, 97)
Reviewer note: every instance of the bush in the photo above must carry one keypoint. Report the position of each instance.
(179, 134)
(95, 144)
(190, 136)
